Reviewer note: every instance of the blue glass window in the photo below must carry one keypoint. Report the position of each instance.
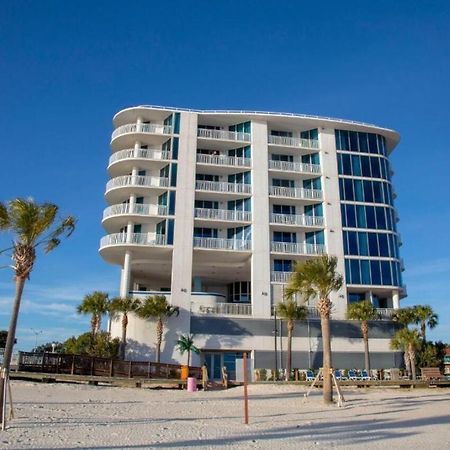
(363, 144)
(386, 273)
(343, 215)
(176, 127)
(283, 236)
(170, 228)
(363, 245)
(355, 273)
(381, 219)
(175, 142)
(348, 279)
(283, 265)
(172, 202)
(354, 141)
(365, 271)
(173, 174)
(375, 167)
(370, 213)
(365, 166)
(373, 244)
(361, 217)
(356, 165)
(348, 188)
(375, 272)
(358, 185)
(351, 217)
(383, 244)
(377, 192)
(352, 243)
(373, 146)
(368, 192)
(346, 164)
(205, 232)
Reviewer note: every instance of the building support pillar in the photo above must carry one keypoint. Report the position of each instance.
(395, 300)
(126, 275)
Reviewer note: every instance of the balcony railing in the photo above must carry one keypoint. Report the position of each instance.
(141, 153)
(222, 186)
(223, 135)
(297, 219)
(151, 128)
(294, 167)
(232, 309)
(293, 142)
(136, 180)
(222, 244)
(223, 160)
(137, 209)
(312, 311)
(223, 214)
(280, 277)
(300, 193)
(298, 248)
(150, 239)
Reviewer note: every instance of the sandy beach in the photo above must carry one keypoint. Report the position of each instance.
(97, 417)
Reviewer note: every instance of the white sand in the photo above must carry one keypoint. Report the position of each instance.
(81, 416)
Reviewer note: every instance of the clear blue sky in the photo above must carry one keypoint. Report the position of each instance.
(67, 67)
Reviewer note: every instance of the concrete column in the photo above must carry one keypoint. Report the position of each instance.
(260, 264)
(395, 300)
(369, 297)
(126, 275)
(137, 146)
(130, 226)
(138, 123)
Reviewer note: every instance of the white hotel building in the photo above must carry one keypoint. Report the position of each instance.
(213, 209)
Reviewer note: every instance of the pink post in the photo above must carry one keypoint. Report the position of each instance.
(191, 384)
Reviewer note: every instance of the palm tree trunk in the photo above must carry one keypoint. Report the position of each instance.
(20, 283)
(189, 359)
(326, 344)
(159, 333)
(423, 328)
(365, 333)
(407, 363)
(123, 342)
(290, 327)
(412, 359)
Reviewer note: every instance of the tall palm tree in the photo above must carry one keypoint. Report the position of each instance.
(404, 316)
(31, 225)
(409, 341)
(96, 305)
(123, 306)
(363, 311)
(157, 308)
(425, 316)
(290, 311)
(185, 343)
(317, 278)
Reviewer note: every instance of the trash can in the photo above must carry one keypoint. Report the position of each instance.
(192, 384)
(184, 372)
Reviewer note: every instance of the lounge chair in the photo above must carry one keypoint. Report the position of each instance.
(365, 376)
(340, 376)
(310, 375)
(353, 376)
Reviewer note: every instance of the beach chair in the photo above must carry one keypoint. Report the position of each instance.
(353, 375)
(340, 376)
(365, 376)
(310, 375)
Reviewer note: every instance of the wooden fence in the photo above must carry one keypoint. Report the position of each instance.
(93, 366)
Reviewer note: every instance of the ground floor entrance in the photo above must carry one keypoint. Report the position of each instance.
(216, 360)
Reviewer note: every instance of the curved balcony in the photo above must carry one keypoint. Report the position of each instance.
(301, 168)
(300, 220)
(119, 215)
(284, 141)
(223, 187)
(223, 160)
(147, 239)
(151, 128)
(295, 193)
(222, 215)
(125, 160)
(227, 309)
(224, 135)
(280, 277)
(125, 136)
(297, 248)
(120, 188)
(222, 244)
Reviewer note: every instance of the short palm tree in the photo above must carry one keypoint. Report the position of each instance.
(96, 305)
(123, 306)
(290, 311)
(404, 316)
(317, 278)
(363, 311)
(425, 316)
(31, 225)
(409, 341)
(157, 308)
(185, 343)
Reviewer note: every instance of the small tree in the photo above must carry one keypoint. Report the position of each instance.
(102, 345)
(363, 311)
(290, 311)
(185, 343)
(409, 342)
(96, 305)
(48, 347)
(157, 308)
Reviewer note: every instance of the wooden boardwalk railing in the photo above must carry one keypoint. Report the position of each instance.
(59, 363)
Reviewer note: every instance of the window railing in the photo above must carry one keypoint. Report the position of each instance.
(150, 239)
(310, 194)
(232, 309)
(222, 186)
(298, 248)
(224, 135)
(141, 153)
(293, 142)
(153, 128)
(223, 160)
(137, 208)
(280, 277)
(137, 180)
(294, 166)
(222, 214)
(297, 219)
(222, 244)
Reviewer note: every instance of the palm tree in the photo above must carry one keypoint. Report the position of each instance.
(425, 316)
(96, 305)
(123, 306)
(317, 278)
(409, 341)
(185, 343)
(404, 316)
(363, 311)
(290, 311)
(32, 225)
(157, 308)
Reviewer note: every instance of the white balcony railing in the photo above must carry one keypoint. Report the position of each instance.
(223, 135)
(232, 309)
(151, 128)
(223, 160)
(293, 142)
(294, 167)
(297, 219)
(312, 311)
(223, 186)
(150, 239)
(136, 209)
(280, 277)
(223, 214)
(385, 313)
(222, 244)
(300, 193)
(298, 248)
(141, 153)
(136, 180)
